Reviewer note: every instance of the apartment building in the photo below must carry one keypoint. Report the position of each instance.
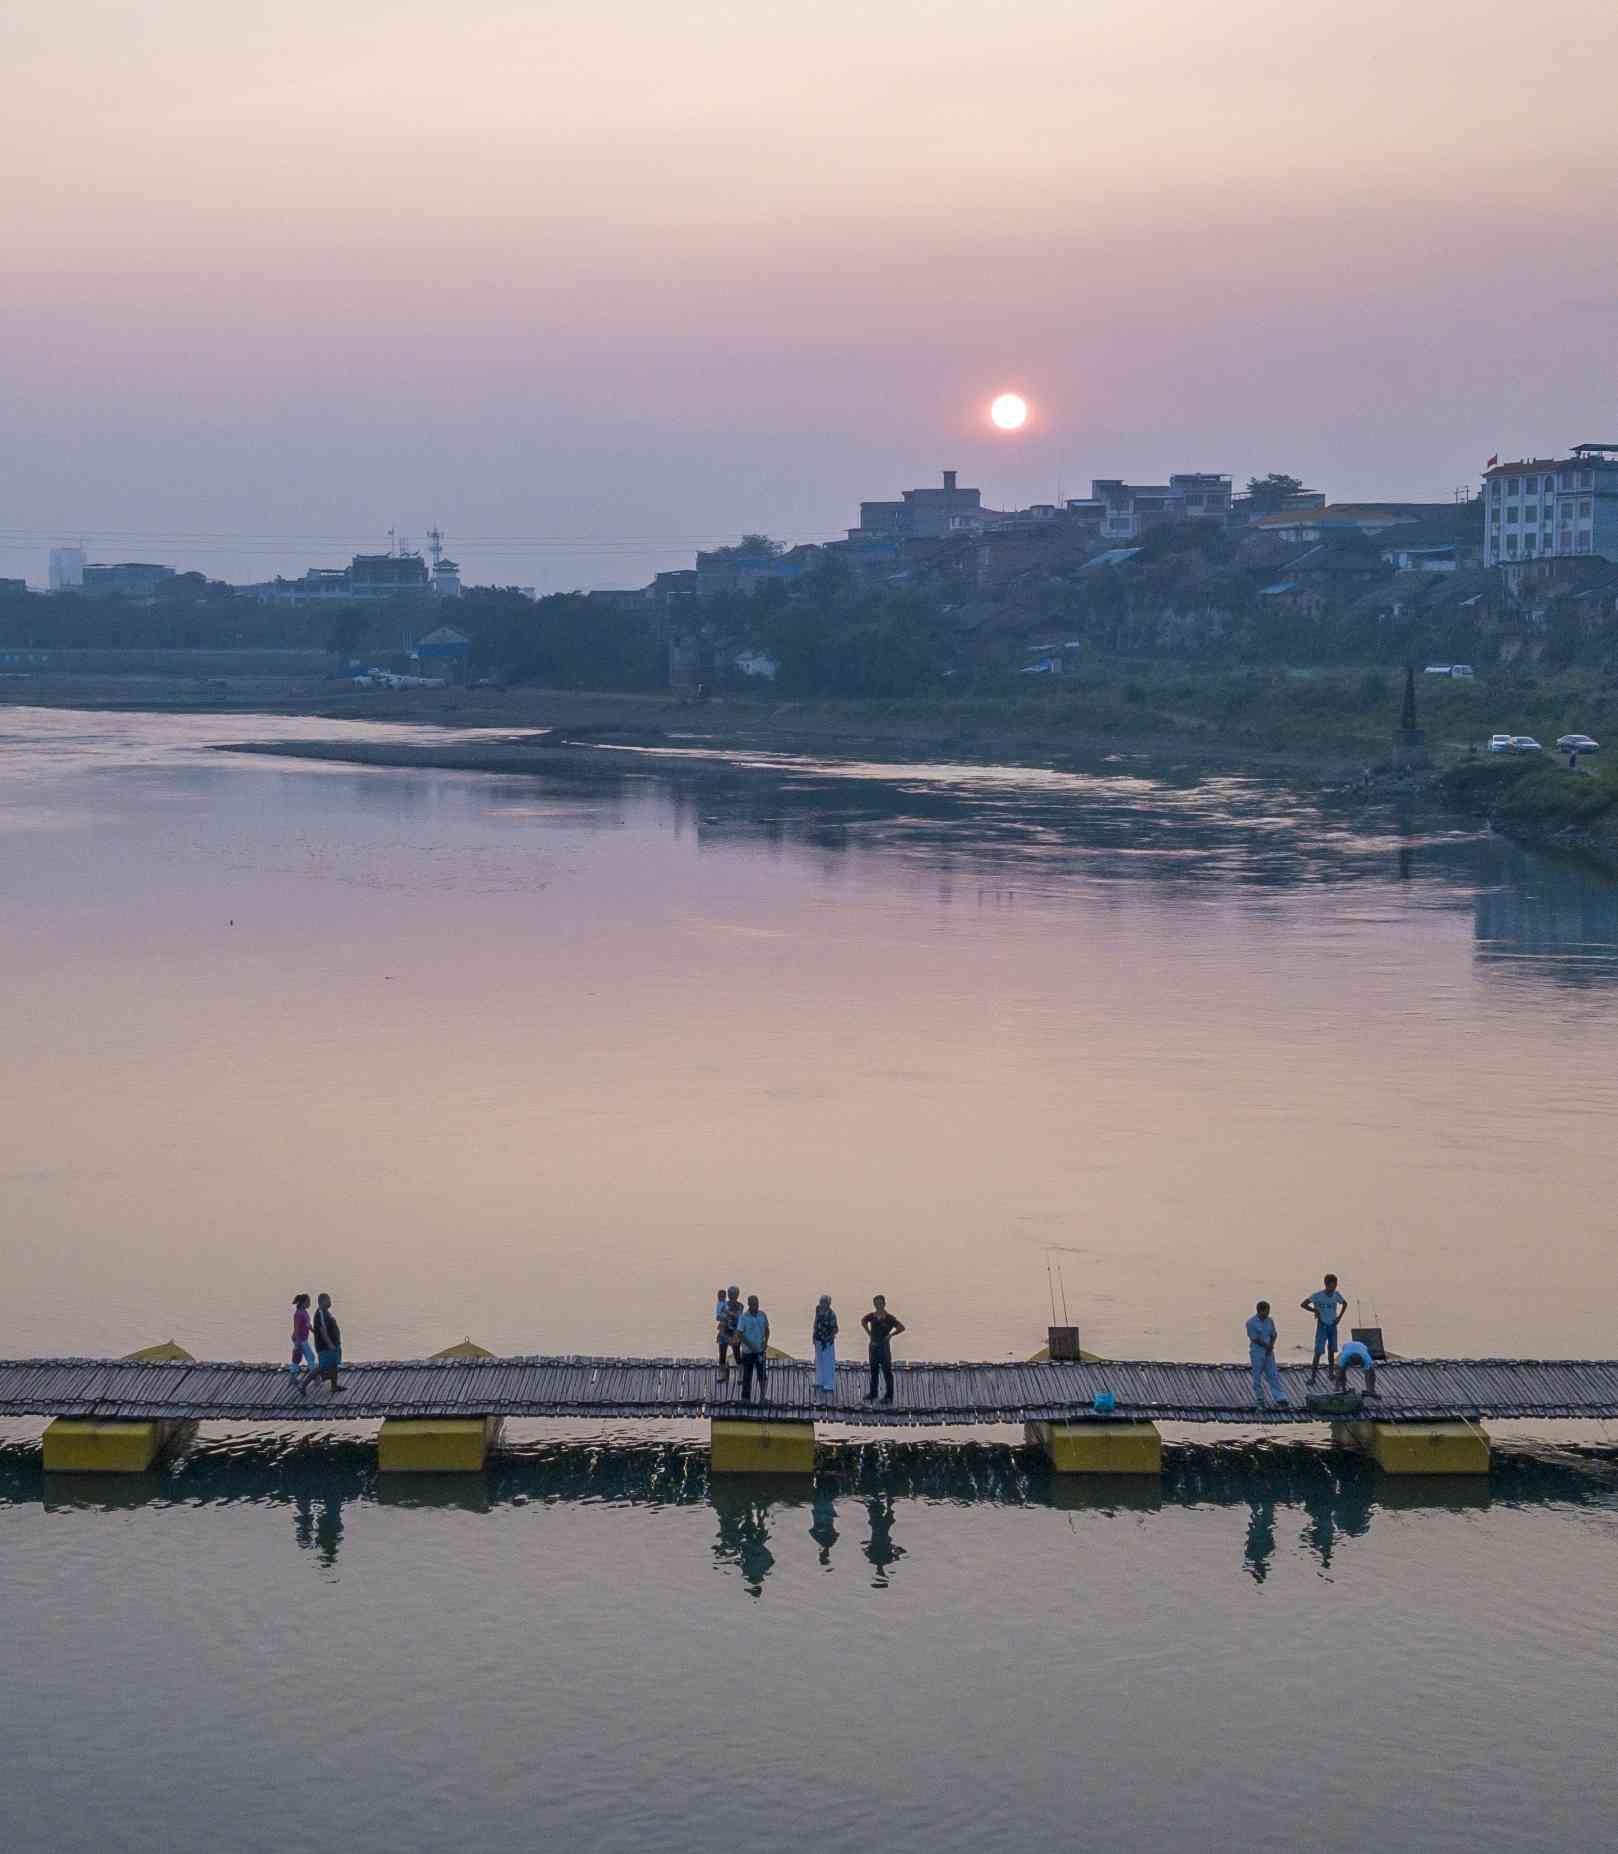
(1123, 511)
(1552, 507)
(922, 514)
(67, 569)
(129, 579)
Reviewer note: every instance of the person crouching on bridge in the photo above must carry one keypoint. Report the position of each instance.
(1357, 1352)
(1261, 1336)
(881, 1328)
(753, 1333)
(824, 1337)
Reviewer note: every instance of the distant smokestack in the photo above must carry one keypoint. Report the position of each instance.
(949, 481)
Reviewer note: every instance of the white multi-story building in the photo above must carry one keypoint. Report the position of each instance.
(67, 569)
(1552, 507)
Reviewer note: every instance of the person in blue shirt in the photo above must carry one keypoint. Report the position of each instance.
(1356, 1352)
(1261, 1337)
(1328, 1307)
(753, 1336)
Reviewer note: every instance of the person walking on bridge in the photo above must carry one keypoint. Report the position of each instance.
(1261, 1336)
(881, 1328)
(753, 1334)
(825, 1344)
(1328, 1307)
(328, 1347)
(303, 1353)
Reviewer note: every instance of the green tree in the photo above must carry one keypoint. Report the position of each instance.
(879, 643)
(566, 641)
(1265, 494)
(349, 631)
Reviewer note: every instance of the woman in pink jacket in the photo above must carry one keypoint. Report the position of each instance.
(303, 1353)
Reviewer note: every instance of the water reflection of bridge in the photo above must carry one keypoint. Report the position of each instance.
(863, 1510)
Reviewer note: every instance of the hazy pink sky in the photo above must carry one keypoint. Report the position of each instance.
(653, 272)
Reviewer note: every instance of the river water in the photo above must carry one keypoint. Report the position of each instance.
(543, 1062)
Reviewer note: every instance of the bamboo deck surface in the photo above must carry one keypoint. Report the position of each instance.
(1412, 1390)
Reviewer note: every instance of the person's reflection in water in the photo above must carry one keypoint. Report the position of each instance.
(744, 1537)
(1335, 1509)
(879, 1547)
(1260, 1546)
(823, 1526)
(319, 1529)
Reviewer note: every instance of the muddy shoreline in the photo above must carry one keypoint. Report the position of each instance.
(720, 724)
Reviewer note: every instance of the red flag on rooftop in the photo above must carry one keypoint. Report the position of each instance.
(1492, 461)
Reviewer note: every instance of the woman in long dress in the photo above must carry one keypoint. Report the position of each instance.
(825, 1337)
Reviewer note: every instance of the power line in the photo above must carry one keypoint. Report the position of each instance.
(215, 538)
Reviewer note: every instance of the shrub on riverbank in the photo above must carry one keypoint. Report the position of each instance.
(1552, 798)
(1526, 795)
(1478, 785)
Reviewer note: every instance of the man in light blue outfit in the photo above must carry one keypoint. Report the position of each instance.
(1328, 1307)
(753, 1331)
(1261, 1337)
(1356, 1352)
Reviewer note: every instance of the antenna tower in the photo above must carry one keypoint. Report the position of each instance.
(435, 542)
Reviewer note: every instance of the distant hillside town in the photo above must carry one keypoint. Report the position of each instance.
(367, 576)
(932, 584)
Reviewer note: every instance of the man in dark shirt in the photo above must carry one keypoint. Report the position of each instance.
(881, 1328)
(328, 1337)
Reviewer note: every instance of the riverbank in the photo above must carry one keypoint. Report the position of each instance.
(1538, 801)
(1321, 728)
(1075, 726)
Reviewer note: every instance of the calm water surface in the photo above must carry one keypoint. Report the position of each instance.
(543, 1061)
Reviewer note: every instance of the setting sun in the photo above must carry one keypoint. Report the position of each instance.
(1009, 411)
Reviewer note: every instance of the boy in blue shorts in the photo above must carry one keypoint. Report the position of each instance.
(1328, 1307)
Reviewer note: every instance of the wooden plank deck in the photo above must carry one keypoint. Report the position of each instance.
(1412, 1390)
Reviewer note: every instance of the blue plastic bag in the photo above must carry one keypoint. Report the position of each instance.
(1105, 1403)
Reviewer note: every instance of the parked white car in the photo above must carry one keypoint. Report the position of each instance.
(1525, 743)
(1500, 743)
(1577, 743)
